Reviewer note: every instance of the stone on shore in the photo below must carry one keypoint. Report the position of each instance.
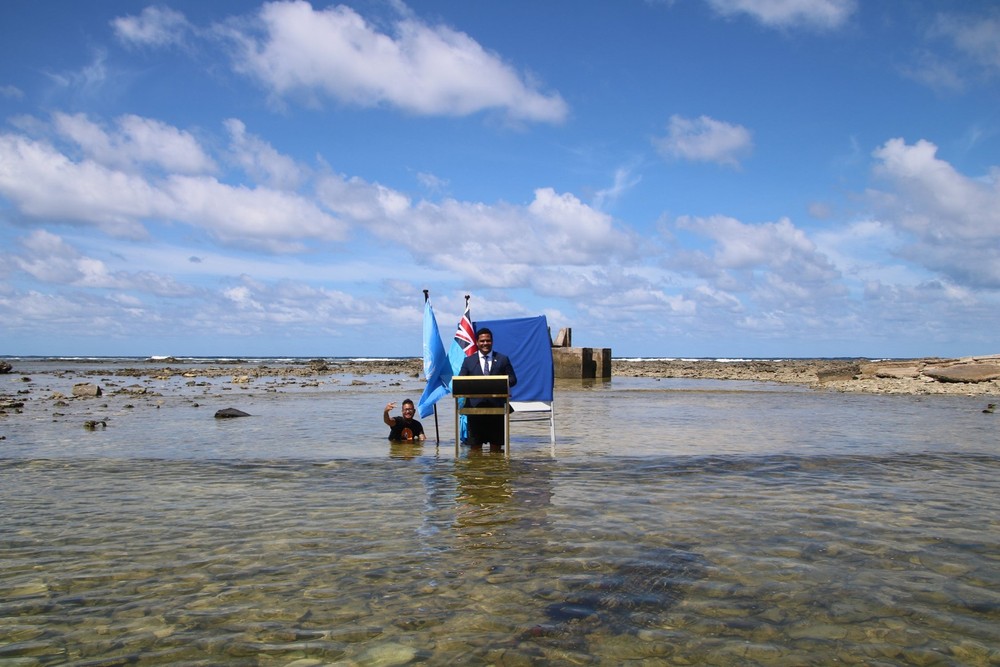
(5, 367)
(845, 372)
(229, 413)
(968, 372)
(86, 390)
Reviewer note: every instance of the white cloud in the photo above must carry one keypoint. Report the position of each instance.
(975, 36)
(136, 141)
(11, 92)
(423, 69)
(89, 82)
(934, 72)
(970, 57)
(705, 139)
(431, 182)
(623, 182)
(824, 14)
(494, 244)
(49, 258)
(775, 263)
(954, 220)
(261, 161)
(154, 26)
(243, 298)
(261, 217)
(45, 183)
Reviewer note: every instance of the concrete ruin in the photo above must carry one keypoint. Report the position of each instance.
(579, 363)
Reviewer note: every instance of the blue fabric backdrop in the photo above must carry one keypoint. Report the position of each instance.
(526, 341)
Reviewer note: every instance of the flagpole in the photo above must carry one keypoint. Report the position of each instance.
(437, 430)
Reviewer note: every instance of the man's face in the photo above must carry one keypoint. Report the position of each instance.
(485, 343)
(408, 410)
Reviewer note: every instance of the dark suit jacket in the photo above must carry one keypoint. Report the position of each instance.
(501, 366)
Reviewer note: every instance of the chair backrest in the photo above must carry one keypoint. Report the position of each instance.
(526, 341)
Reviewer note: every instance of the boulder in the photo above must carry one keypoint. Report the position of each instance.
(900, 370)
(86, 390)
(835, 373)
(973, 372)
(5, 367)
(229, 413)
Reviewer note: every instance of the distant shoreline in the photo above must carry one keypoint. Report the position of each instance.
(894, 376)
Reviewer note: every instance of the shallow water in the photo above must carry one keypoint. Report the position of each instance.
(674, 522)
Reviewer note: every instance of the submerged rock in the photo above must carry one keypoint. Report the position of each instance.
(228, 413)
(652, 584)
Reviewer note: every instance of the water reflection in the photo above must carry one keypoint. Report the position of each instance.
(405, 450)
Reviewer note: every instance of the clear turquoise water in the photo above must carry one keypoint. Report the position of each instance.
(675, 522)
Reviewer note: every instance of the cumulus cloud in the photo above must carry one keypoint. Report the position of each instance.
(823, 14)
(423, 69)
(261, 161)
(48, 258)
(46, 183)
(261, 217)
(704, 139)
(953, 220)
(136, 141)
(775, 263)
(154, 26)
(498, 244)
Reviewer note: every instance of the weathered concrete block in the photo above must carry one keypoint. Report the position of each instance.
(573, 362)
(581, 362)
(564, 338)
(602, 362)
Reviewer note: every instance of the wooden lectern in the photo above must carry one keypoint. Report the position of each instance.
(482, 386)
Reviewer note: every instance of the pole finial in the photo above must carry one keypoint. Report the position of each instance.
(427, 294)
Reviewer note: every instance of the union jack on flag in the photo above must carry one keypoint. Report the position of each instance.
(465, 337)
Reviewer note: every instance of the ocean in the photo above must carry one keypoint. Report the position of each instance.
(671, 522)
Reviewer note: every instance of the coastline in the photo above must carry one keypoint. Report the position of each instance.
(974, 376)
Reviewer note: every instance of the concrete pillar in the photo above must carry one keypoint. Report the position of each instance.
(602, 362)
(581, 362)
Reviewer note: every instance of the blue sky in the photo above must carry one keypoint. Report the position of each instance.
(734, 178)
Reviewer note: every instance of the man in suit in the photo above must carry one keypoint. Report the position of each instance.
(487, 361)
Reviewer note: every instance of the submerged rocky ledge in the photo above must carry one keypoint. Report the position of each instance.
(978, 375)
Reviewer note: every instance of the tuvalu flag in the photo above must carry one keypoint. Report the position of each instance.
(437, 366)
(464, 343)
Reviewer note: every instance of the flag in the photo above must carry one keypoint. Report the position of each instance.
(437, 369)
(464, 343)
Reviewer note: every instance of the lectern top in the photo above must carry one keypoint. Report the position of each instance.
(480, 386)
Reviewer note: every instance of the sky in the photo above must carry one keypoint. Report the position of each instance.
(668, 178)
